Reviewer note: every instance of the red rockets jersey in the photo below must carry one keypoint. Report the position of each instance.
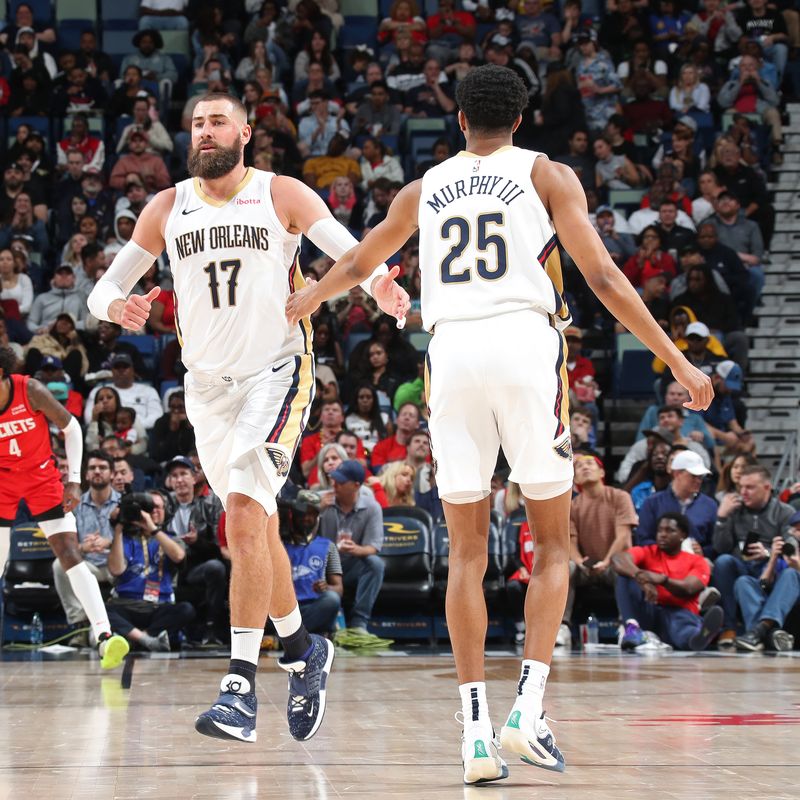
(24, 433)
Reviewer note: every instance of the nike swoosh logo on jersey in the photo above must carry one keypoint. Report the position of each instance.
(185, 212)
(281, 366)
(235, 631)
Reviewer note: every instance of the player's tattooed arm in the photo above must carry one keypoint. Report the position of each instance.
(42, 400)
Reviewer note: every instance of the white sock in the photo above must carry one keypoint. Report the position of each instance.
(246, 643)
(84, 584)
(530, 689)
(474, 705)
(286, 626)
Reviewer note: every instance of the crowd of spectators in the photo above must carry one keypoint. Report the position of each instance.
(668, 112)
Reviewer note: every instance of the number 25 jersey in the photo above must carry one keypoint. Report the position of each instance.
(487, 245)
(233, 266)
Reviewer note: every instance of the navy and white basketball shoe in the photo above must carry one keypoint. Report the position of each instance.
(233, 716)
(307, 688)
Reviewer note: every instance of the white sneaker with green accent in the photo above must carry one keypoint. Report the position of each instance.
(532, 740)
(482, 764)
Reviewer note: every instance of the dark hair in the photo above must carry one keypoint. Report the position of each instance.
(491, 97)
(656, 231)
(99, 455)
(90, 250)
(8, 360)
(671, 410)
(667, 201)
(375, 418)
(235, 101)
(116, 398)
(725, 481)
(757, 469)
(585, 410)
(680, 519)
(345, 432)
(420, 432)
(128, 410)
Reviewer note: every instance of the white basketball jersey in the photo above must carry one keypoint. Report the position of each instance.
(233, 265)
(486, 243)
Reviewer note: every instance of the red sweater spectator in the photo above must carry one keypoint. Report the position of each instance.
(650, 261)
(93, 149)
(395, 447)
(578, 366)
(331, 423)
(523, 574)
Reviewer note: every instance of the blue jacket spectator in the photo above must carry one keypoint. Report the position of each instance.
(682, 497)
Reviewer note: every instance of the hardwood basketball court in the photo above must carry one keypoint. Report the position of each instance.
(662, 726)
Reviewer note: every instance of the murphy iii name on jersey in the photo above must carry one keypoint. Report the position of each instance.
(477, 184)
(222, 237)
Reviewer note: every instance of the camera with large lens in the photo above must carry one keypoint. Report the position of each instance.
(131, 505)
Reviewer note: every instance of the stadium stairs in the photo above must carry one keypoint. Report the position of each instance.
(773, 379)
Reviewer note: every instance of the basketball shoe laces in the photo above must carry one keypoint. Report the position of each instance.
(298, 702)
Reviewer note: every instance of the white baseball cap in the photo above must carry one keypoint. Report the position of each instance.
(698, 329)
(691, 462)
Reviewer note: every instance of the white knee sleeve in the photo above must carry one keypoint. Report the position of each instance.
(462, 498)
(545, 491)
(50, 527)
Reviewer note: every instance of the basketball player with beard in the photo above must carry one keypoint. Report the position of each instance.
(232, 234)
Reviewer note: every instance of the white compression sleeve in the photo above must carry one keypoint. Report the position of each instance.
(128, 266)
(335, 240)
(73, 445)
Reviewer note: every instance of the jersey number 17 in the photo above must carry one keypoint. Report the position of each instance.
(231, 267)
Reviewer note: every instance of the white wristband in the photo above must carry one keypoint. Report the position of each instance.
(128, 266)
(335, 240)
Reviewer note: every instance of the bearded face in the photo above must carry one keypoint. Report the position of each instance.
(210, 164)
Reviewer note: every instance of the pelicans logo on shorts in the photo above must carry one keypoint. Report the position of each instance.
(280, 460)
(564, 448)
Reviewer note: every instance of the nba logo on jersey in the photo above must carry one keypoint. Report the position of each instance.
(280, 460)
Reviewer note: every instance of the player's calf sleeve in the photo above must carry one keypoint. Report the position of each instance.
(86, 589)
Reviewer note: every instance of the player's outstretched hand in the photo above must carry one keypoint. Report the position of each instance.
(136, 310)
(697, 383)
(391, 297)
(72, 496)
(302, 303)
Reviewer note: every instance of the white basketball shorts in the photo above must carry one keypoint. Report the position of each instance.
(499, 381)
(247, 430)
